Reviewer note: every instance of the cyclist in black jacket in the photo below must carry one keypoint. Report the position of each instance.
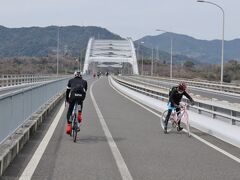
(175, 97)
(76, 92)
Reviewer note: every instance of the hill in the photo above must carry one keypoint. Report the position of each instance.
(201, 50)
(162, 56)
(42, 41)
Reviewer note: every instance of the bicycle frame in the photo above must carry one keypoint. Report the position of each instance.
(174, 118)
(183, 113)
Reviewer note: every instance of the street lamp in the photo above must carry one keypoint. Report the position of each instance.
(80, 59)
(201, 1)
(152, 63)
(57, 48)
(142, 59)
(170, 51)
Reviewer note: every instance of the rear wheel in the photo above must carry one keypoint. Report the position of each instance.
(75, 132)
(162, 121)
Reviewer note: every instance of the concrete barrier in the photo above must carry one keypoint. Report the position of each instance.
(13, 145)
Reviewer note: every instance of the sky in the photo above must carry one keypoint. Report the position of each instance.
(128, 18)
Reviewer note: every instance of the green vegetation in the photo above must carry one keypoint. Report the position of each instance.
(38, 65)
(40, 42)
(190, 70)
(33, 50)
(202, 51)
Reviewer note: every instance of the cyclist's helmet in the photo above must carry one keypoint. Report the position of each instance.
(182, 86)
(77, 73)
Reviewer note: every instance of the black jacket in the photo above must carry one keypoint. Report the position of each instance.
(175, 97)
(72, 83)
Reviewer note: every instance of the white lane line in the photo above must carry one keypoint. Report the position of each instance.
(216, 148)
(143, 106)
(29, 170)
(192, 134)
(122, 167)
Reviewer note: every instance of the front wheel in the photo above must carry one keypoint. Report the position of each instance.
(185, 120)
(162, 121)
(188, 129)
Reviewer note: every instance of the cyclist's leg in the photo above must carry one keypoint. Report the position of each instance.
(179, 128)
(70, 109)
(178, 112)
(167, 117)
(80, 106)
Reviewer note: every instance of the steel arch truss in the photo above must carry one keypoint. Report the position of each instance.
(115, 51)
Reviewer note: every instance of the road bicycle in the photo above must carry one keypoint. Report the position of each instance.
(75, 127)
(174, 118)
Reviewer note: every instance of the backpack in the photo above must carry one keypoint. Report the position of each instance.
(78, 92)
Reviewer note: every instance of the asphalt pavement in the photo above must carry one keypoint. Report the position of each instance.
(147, 152)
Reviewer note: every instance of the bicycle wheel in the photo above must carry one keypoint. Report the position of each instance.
(188, 128)
(162, 121)
(75, 132)
(185, 120)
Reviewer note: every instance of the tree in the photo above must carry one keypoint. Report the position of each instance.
(227, 78)
(188, 64)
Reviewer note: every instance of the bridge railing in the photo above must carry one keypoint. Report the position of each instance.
(227, 113)
(17, 107)
(11, 80)
(227, 87)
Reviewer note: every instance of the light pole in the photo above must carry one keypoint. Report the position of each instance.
(170, 51)
(201, 1)
(80, 59)
(142, 59)
(138, 51)
(57, 48)
(157, 60)
(152, 63)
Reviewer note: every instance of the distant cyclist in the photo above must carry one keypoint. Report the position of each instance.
(76, 92)
(175, 97)
(98, 74)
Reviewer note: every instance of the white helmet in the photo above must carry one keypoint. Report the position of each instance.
(77, 73)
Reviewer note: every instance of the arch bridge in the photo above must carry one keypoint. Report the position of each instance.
(111, 51)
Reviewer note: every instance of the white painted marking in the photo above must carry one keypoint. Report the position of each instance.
(122, 167)
(29, 170)
(143, 106)
(216, 148)
(192, 134)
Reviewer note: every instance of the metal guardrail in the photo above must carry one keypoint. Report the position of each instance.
(11, 80)
(18, 106)
(233, 88)
(214, 110)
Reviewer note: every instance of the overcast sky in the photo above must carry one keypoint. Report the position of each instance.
(128, 18)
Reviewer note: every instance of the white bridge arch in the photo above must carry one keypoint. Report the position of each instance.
(111, 51)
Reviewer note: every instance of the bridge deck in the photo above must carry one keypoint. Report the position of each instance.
(147, 152)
